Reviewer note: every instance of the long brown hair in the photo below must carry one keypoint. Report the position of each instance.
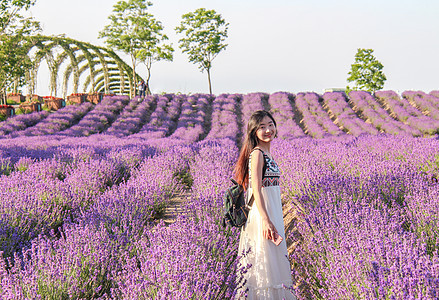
(250, 142)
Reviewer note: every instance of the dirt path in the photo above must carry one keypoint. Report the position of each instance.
(176, 206)
(293, 215)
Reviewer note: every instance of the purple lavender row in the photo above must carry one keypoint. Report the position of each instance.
(104, 243)
(163, 119)
(249, 104)
(435, 94)
(191, 123)
(316, 121)
(224, 119)
(343, 115)
(132, 206)
(433, 97)
(59, 189)
(280, 106)
(366, 105)
(64, 148)
(425, 103)
(21, 122)
(100, 241)
(309, 121)
(402, 110)
(133, 116)
(366, 214)
(57, 121)
(100, 118)
(192, 258)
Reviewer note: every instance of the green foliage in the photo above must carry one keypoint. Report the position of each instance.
(366, 72)
(9, 9)
(19, 111)
(184, 177)
(204, 34)
(127, 31)
(152, 43)
(11, 102)
(15, 39)
(46, 108)
(431, 169)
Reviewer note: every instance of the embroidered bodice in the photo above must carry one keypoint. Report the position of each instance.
(272, 172)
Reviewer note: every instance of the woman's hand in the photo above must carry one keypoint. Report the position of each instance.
(268, 229)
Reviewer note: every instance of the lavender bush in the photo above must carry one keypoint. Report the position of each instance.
(100, 118)
(192, 121)
(344, 116)
(426, 103)
(21, 122)
(57, 121)
(163, 119)
(405, 112)
(224, 123)
(280, 106)
(365, 104)
(315, 120)
(133, 117)
(249, 104)
(359, 236)
(435, 94)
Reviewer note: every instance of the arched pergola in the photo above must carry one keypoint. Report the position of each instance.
(100, 69)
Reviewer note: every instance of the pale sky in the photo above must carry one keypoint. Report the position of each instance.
(277, 45)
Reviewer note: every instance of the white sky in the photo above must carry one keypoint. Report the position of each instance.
(277, 45)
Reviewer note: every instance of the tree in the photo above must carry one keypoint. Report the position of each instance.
(152, 47)
(15, 39)
(204, 34)
(366, 72)
(9, 10)
(127, 32)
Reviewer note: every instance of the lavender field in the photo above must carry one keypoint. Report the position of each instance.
(84, 191)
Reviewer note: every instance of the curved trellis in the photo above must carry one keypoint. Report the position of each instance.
(101, 69)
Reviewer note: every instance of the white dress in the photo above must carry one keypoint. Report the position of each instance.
(270, 272)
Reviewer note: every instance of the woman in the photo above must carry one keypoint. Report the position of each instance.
(270, 271)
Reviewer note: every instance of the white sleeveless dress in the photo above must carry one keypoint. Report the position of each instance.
(270, 274)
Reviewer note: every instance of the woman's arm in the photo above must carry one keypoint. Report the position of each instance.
(257, 164)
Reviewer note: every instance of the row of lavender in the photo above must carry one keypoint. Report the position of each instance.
(367, 227)
(155, 117)
(79, 219)
(368, 209)
(367, 216)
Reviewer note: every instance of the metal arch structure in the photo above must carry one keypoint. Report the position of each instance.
(100, 69)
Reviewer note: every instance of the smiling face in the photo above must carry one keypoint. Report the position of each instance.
(266, 130)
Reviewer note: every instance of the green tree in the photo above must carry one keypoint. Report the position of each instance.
(127, 32)
(204, 34)
(366, 72)
(9, 10)
(153, 48)
(15, 39)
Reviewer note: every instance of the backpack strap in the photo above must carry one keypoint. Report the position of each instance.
(264, 168)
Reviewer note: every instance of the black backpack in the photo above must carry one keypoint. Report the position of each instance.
(235, 209)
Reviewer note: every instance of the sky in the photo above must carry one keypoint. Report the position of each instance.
(278, 45)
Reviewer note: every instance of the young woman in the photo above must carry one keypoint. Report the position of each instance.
(270, 272)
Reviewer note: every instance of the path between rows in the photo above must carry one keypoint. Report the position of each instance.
(176, 206)
(293, 214)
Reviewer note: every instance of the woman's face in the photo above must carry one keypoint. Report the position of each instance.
(266, 130)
